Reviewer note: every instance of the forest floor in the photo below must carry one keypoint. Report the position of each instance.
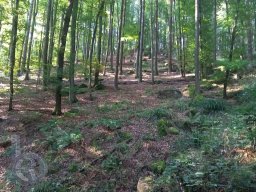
(105, 144)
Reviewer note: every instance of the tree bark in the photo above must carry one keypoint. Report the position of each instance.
(170, 38)
(72, 95)
(119, 45)
(141, 50)
(53, 22)
(156, 37)
(122, 60)
(26, 38)
(215, 32)
(197, 64)
(97, 68)
(61, 52)
(152, 42)
(12, 51)
(46, 45)
(35, 11)
(230, 57)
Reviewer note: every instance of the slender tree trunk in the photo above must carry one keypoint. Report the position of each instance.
(170, 38)
(249, 35)
(53, 22)
(35, 8)
(152, 42)
(25, 48)
(46, 45)
(232, 43)
(73, 52)
(101, 7)
(215, 32)
(12, 50)
(197, 65)
(156, 37)
(97, 68)
(122, 60)
(61, 52)
(138, 49)
(142, 26)
(119, 45)
(110, 40)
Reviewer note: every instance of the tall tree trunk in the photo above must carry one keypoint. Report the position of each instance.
(152, 42)
(12, 50)
(141, 51)
(119, 45)
(73, 52)
(53, 22)
(61, 52)
(197, 32)
(122, 60)
(230, 57)
(35, 11)
(101, 7)
(156, 37)
(46, 44)
(215, 32)
(137, 61)
(170, 38)
(26, 38)
(180, 40)
(111, 35)
(97, 68)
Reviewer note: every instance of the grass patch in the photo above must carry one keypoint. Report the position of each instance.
(56, 137)
(111, 124)
(110, 107)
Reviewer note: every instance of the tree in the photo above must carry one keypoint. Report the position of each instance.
(156, 37)
(231, 50)
(35, 11)
(170, 37)
(73, 52)
(13, 49)
(141, 50)
(46, 44)
(197, 31)
(26, 38)
(61, 53)
(119, 44)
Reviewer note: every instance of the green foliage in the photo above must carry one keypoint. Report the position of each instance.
(203, 159)
(158, 167)
(181, 105)
(209, 104)
(73, 167)
(111, 124)
(248, 93)
(123, 136)
(47, 186)
(233, 66)
(111, 163)
(57, 138)
(207, 85)
(156, 113)
(192, 90)
(76, 89)
(172, 131)
(162, 126)
(123, 148)
(110, 107)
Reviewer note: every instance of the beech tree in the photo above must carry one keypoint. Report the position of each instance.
(13, 49)
(61, 53)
